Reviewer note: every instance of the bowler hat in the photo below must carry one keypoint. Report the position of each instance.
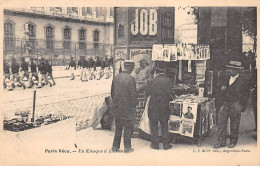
(129, 63)
(235, 65)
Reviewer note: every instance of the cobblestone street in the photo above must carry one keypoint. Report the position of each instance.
(66, 96)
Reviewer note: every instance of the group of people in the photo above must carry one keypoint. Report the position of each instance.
(15, 73)
(234, 86)
(91, 69)
(124, 101)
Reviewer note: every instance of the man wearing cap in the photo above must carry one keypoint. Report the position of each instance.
(235, 91)
(15, 71)
(124, 100)
(49, 72)
(72, 68)
(33, 72)
(43, 74)
(160, 90)
(80, 67)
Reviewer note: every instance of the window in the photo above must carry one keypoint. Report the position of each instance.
(56, 9)
(97, 11)
(66, 38)
(32, 35)
(96, 39)
(82, 39)
(49, 38)
(96, 35)
(72, 10)
(84, 11)
(89, 10)
(121, 29)
(111, 11)
(103, 11)
(9, 35)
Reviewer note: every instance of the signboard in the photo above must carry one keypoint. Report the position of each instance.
(120, 57)
(143, 25)
(121, 27)
(151, 25)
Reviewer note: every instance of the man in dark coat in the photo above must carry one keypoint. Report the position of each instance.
(160, 90)
(15, 72)
(72, 68)
(33, 72)
(24, 69)
(49, 71)
(235, 89)
(43, 73)
(124, 100)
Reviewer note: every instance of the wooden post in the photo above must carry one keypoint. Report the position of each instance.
(34, 98)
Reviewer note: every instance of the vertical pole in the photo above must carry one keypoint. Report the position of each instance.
(21, 48)
(114, 42)
(34, 98)
(180, 70)
(75, 51)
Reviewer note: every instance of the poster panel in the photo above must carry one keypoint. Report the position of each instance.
(175, 125)
(143, 64)
(187, 128)
(120, 56)
(189, 111)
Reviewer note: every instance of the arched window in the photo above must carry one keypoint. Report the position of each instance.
(49, 33)
(66, 38)
(82, 39)
(9, 35)
(96, 38)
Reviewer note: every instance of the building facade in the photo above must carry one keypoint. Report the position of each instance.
(58, 33)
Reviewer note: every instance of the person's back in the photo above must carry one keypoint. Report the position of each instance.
(24, 66)
(160, 91)
(15, 67)
(122, 97)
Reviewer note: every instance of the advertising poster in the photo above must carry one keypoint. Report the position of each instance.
(175, 125)
(157, 52)
(176, 108)
(172, 52)
(120, 56)
(166, 54)
(189, 111)
(143, 64)
(187, 128)
(180, 52)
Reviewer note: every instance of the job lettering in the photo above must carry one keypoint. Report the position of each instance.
(145, 28)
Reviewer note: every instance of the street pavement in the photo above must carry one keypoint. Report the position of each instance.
(68, 95)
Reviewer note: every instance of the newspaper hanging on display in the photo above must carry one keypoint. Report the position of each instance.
(174, 52)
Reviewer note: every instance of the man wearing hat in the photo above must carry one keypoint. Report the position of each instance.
(49, 72)
(15, 72)
(33, 72)
(160, 90)
(124, 100)
(235, 91)
(72, 68)
(43, 73)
